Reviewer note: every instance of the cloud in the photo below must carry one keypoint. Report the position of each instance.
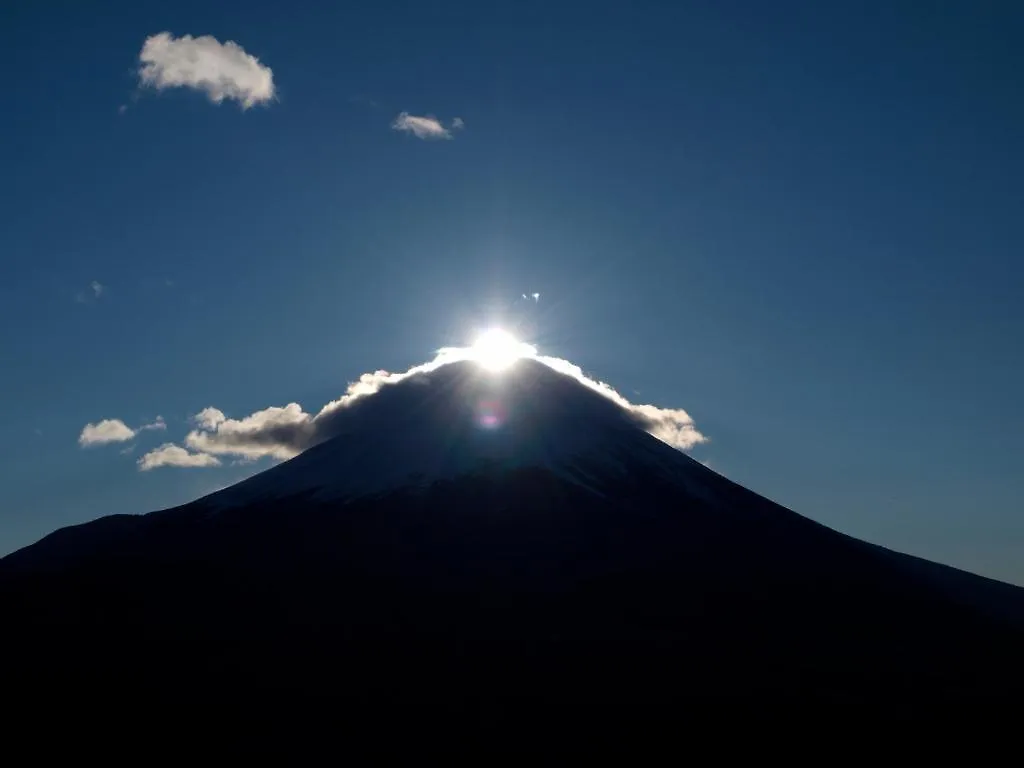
(425, 127)
(670, 425)
(284, 432)
(209, 418)
(96, 288)
(114, 431)
(220, 70)
(158, 423)
(171, 455)
(105, 431)
(276, 432)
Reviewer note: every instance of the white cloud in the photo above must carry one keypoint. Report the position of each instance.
(209, 418)
(97, 288)
(425, 127)
(282, 433)
(114, 431)
(105, 431)
(275, 432)
(670, 425)
(220, 70)
(171, 455)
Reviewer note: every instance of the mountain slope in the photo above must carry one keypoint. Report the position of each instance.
(507, 547)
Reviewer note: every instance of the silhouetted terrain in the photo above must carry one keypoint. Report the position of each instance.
(566, 569)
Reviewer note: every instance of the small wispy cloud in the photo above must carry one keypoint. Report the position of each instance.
(157, 423)
(114, 431)
(426, 127)
(534, 297)
(219, 70)
(104, 432)
(171, 455)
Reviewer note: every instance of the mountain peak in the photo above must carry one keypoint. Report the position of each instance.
(460, 418)
(485, 535)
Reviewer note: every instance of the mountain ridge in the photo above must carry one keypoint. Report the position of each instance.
(582, 560)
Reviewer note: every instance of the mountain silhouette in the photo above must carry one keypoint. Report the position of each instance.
(499, 549)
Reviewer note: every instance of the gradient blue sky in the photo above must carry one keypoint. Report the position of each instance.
(800, 221)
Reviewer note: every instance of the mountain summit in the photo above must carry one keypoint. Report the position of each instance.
(463, 420)
(501, 547)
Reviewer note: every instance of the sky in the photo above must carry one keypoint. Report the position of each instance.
(798, 221)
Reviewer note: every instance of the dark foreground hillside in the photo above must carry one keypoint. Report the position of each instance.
(511, 600)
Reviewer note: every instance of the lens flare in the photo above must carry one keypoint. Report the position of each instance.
(496, 349)
(490, 414)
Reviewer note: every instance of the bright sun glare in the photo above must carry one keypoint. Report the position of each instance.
(496, 349)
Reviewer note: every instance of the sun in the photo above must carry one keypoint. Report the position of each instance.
(496, 349)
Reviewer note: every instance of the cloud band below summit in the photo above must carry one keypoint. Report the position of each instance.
(283, 432)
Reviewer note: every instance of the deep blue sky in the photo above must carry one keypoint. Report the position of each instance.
(800, 221)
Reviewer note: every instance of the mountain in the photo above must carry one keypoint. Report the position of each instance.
(496, 549)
